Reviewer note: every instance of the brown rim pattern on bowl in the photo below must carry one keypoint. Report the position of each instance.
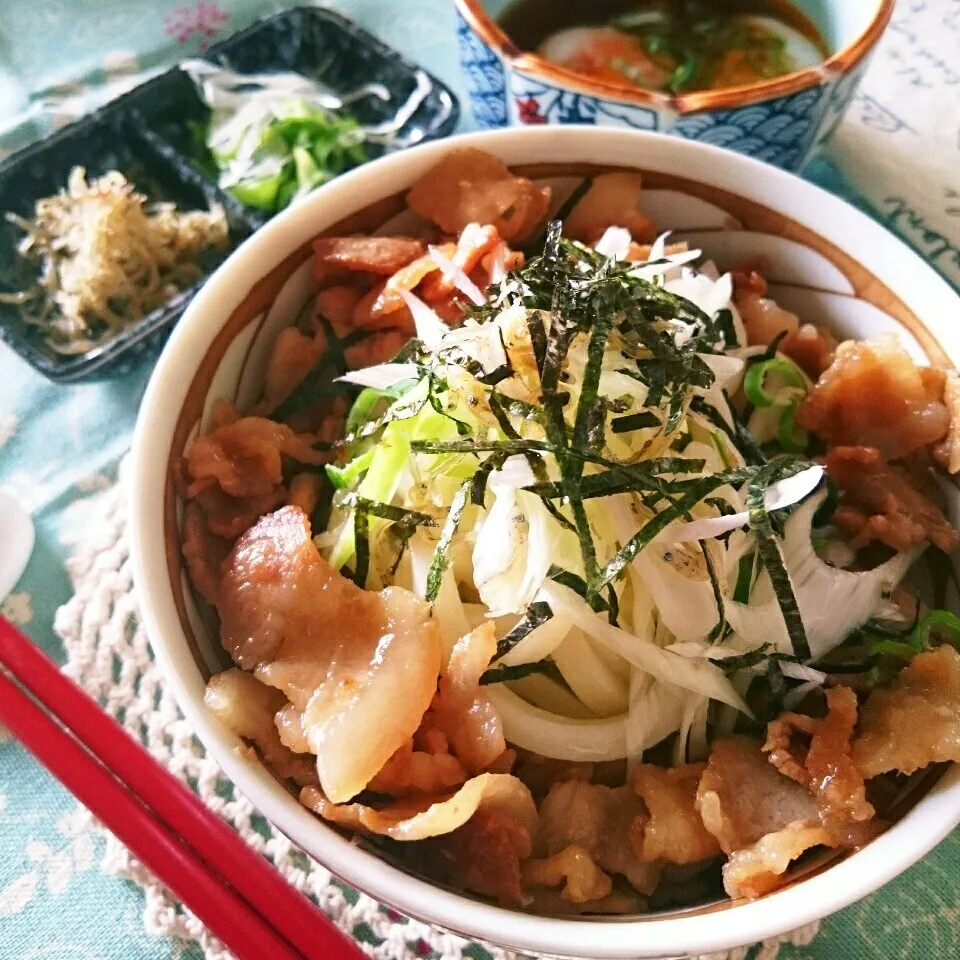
(843, 61)
(258, 300)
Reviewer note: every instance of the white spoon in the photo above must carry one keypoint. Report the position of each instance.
(16, 542)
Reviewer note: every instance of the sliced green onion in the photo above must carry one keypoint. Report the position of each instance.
(892, 648)
(363, 407)
(260, 193)
(793, 439)
(753, 381)
(941, 621)
(684, 73)
(346, 476)
(389, 459)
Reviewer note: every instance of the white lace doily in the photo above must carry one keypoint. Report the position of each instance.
(109, 656)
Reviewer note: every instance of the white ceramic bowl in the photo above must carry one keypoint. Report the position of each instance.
(828, 261)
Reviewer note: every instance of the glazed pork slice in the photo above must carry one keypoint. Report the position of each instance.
(360, 667)
(597, 822)
(874, 395)
(916, 720)
(762, 819)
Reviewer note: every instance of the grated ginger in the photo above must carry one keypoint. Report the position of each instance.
(107, 258)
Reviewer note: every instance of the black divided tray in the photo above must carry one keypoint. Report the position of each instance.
(145, 134)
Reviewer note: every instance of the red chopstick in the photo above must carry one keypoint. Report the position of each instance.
(220, 908)
(165, 824)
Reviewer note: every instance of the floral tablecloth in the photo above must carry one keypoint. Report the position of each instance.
(59, 446)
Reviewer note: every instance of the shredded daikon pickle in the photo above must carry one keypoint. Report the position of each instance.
(106, 258)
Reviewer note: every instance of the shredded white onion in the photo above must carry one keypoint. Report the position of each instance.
(515, 473)
(554, 736)
(430, 328)
(649, 270)
(615, 243)
(457, 277)
(696, 675)
(798, 671)
(832, 602)
(381, 376)
(782, 494)
(498, 263)
(794, 696)
(659, 246)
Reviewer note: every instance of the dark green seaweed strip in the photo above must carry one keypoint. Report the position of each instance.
(538, 613)
(501, 373)
(621, 478)
(718, 631)
(478, 484)
(601, 326)
(478, 446)
(361, 538)
(518, 671)
(387, 511)
(538, 337)
(635, 421)
(499, 411)
(579, 586)
(580, 191)
(554, 512)
(769, 549)
(440, 555)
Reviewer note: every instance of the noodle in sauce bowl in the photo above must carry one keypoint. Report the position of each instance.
(769, 78)
(454, 745)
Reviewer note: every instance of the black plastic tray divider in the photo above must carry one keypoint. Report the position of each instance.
(145, 134)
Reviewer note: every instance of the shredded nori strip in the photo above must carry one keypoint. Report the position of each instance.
(405, 523)
(579, 586)
(499, 410)
(518, 671)
(565, 209)
(478, 484)
(769, 549)
(441, 559)
(361, 538)
(538, 613)
(491, 379)
(724, 322)
(386, 511)
(572, 293)
(635, 421)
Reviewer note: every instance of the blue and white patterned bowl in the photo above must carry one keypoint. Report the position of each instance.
(784, 121)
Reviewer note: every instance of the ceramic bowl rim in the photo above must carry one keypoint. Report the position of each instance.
(841, 62)
(737, 924)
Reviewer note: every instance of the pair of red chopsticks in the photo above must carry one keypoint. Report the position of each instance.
(235, 892)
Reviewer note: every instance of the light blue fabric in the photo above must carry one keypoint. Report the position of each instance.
(57, 444)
